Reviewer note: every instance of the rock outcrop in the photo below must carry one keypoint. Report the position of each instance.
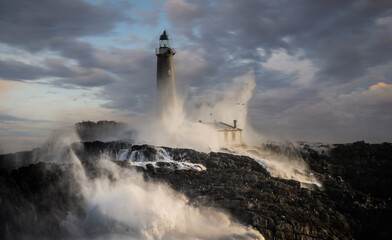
(355, 202)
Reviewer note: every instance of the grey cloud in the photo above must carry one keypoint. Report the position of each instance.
(100, 67)
(362, 114)
(136, 94)
(58, 67)
(78, 76)
(123, 61)
(35, 24)
(344, 40)
(136, 88)
(273, 102)
(185, 14)
(55, 25)
(19, 71)
(342, 37)
(82, 52)
(89, 78)
(74, 75)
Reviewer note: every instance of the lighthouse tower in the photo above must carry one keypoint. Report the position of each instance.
(166, 93)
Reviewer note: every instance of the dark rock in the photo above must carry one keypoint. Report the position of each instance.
(355, 202)
(36, 199)
(101, 130)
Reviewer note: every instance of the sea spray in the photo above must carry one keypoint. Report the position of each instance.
(138, 157)
(292, 167)
(123, 204)
(226, 105)
(120, 204)
(178, 127)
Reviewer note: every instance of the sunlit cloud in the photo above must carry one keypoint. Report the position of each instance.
(380, 84)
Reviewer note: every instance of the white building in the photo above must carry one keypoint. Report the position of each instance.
(229, 134)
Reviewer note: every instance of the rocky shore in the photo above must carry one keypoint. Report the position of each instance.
(354, 202)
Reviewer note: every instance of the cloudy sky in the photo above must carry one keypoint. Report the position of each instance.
(323, 68)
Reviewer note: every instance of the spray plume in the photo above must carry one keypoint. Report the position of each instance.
(120, 204)
(179, 127)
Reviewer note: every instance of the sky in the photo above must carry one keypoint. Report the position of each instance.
(323, 69)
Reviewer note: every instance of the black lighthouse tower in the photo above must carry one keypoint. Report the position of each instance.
(166, 95)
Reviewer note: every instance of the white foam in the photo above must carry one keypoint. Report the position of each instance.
(127, 207)
(160, 158)
(320, 148)
(280, 166)
(122, 154)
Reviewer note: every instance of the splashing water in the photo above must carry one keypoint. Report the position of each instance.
(120, 204)
(127, 207)
(177, 128)
(159, 158)
(280, 166)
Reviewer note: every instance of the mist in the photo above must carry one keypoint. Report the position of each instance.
(120, 204)
(182, 122)
(127, 205)
(183, 125)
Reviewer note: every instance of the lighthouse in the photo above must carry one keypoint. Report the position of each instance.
(166, 92)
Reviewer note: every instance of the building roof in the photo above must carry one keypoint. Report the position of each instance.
(221, 126)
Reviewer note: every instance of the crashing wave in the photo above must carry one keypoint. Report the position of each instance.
(284, 161)
(156, 157)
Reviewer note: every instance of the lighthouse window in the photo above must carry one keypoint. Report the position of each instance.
(169, 72)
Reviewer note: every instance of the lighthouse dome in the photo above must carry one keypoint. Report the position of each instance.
(164, 36)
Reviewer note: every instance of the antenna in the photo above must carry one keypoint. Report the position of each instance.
(213, 119)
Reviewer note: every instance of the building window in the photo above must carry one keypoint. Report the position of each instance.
(233, 136)
(226, 137)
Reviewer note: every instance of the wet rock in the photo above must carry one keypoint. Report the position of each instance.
(355, 202)
(36, 199)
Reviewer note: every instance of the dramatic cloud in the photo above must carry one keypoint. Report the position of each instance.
(363, 113)
(307, 57)
(14, 70)
(344, 38)
(319, 66)
(55, 25)
(303, 69)
(35, 25)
